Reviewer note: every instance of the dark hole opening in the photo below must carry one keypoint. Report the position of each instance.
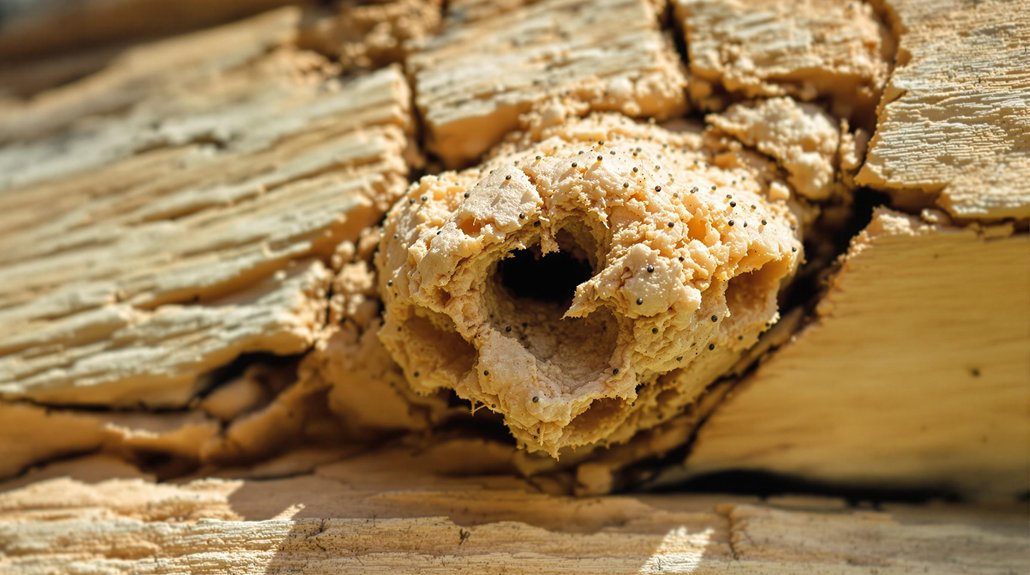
(551, 278)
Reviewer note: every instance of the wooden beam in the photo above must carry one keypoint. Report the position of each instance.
(914, 373)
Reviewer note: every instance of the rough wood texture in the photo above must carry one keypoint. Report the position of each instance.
(387, 512)
(914, 373)
(365, 36)
(809, 49)
(145, 249)
(200, 198)
(954, 122)
(559, 57)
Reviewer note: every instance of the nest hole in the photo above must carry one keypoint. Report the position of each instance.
(549, 278)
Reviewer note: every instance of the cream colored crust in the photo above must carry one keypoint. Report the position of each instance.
(690, 235)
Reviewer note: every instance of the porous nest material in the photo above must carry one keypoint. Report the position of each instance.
(587, 285)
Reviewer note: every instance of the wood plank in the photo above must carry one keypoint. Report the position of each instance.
(561, 58)
(141, 251)
(389, 512)
(954, 124)
(914, 374)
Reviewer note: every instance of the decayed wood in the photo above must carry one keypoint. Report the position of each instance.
(394, 511)
(955, 119)
(200, 197)
(147, 249)
(558, 57)
(810, 49)
(914, 373)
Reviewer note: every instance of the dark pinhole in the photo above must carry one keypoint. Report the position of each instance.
(551, 278)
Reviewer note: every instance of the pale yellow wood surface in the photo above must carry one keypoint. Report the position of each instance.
(914, 374)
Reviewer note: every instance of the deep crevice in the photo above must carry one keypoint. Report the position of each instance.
(767, 484)
(551, 278)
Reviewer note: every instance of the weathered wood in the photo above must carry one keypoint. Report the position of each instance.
(914, 373)
(145, 250)
(204, 197)
(954, 124)
(810, 49)
(389, 512)
(558, 57)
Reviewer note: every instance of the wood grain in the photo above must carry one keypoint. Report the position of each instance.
(914, 373)
(148, 248)
(954, 123)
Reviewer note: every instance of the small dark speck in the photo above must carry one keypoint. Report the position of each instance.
(654, 330)
(733, 204)
(640, 301)
(711, 346)
(615, 371)
(650, 269)
(715, 318)
(730, 222)
(679, 358)
(486, 372)
(508, 177)
(522, 216)
(975, 372)
(536, 399)
(671, 224)
(507, 329)
(416, 374)
(466, 194)
(657, 188)
(536, 224)
(424, 198)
